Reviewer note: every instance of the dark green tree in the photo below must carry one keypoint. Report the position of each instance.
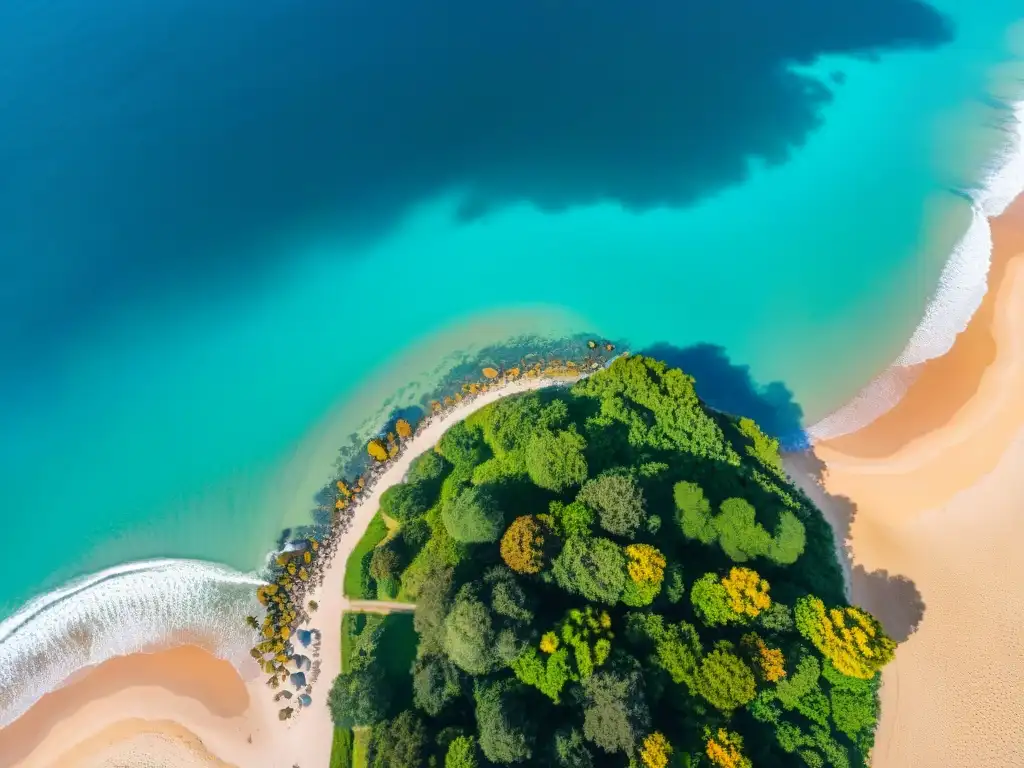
(615, 713)
(398, 743)
(404, 502)
(570, 749)
(618, 501)
(506, 730)
(359, 698)
(469, 635)
(435, 683)
(432, 603)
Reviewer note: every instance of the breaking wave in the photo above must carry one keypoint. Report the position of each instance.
(962, 286)
(122, 610)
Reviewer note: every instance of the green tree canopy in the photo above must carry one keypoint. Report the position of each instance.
(359, 698)
(554, 460)
(507, 731)
(725, 681)
(615, 713)
(398, 743)
(474, 517)
(435, 683)
(404, 502)
(594, 568)
(618, 501)
(463, 752)
(470, 636)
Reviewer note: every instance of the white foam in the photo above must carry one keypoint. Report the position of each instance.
(122, 610)
(961, 289)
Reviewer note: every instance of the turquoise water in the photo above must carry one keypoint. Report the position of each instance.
(194, 318)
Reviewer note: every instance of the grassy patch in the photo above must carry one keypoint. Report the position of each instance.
(358, 582)
(360, 747)
(341, 748)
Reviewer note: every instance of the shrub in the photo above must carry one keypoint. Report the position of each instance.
(435, 683)
(462, 445)
(573, 519)
(403, 428)
(385, 563)
(377, 450)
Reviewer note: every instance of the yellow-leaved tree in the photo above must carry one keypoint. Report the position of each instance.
(747, 592)
(655, 750)
(377, 450)
(725, 749)
(850, 638)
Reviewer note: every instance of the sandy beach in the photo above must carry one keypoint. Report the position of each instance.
(928, 501)
(184, 707)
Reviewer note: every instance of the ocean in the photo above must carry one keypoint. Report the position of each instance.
(234, 236)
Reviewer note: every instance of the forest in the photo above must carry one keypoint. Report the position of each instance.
(611, 574)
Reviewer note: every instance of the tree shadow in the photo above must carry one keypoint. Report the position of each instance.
(729, 387)
(165, 164)
(892, 598)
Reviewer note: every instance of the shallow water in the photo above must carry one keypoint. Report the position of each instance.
(230, 234)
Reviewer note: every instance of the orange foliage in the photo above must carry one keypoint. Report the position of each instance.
(490, 373)
(725, 749)
(403, 428)
(522, 545)
(769, 661)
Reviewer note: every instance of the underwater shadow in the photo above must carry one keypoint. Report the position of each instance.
(731, 388)
(165, 164)
(892, 598)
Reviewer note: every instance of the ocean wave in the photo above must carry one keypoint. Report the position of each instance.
(130, 608)
(962, 286)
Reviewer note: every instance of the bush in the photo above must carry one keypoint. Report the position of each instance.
(399, 743)
(506, 730)
(462, 753)
(462, 446)
(358, 698)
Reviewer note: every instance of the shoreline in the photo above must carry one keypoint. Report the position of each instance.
(927, 503)
(887, 490)
(68, 723)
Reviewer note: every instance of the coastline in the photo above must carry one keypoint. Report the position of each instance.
(228, 719)
(923, 499)
(927, 501)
